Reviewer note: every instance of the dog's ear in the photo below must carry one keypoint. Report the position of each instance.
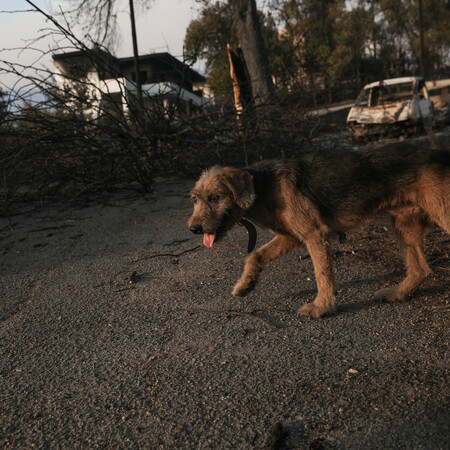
(240, 184)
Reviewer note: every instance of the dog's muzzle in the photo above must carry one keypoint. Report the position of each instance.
(196, 229)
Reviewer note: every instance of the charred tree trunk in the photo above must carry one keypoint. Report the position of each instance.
(241, 82)
(252, 44)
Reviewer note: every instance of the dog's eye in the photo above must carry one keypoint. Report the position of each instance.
(213, 198)
(194, 199)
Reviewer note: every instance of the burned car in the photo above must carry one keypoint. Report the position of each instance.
(439, 91)
(391, 108)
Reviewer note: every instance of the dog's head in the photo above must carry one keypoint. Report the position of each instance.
(221, 196)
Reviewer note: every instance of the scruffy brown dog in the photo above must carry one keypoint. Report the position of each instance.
(305, 202)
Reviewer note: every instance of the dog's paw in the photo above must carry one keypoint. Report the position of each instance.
(312, 311)
(243, 289)
(389, 294)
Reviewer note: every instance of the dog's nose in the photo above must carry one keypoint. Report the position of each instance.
(197, 229)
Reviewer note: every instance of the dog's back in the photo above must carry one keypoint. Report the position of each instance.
(349, 186)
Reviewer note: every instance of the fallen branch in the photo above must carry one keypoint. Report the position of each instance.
(233, 313)
(172, 255)
(124, 289)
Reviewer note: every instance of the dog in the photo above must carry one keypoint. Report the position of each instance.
(306, 201)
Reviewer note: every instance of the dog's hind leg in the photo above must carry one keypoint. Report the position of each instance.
(433, 196)
(410, 225)
(319, 250)
(277, 247)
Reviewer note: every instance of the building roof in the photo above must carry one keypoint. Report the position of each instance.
(106, 57)
(169, 60)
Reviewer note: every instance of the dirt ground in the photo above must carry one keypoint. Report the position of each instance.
(118, 329)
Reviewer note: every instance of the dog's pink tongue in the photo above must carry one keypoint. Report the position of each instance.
(208, 239)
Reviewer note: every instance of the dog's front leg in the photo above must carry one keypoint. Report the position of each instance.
(277, 247)
(319, 250)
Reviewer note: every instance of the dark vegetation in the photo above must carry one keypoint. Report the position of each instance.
(50, 147)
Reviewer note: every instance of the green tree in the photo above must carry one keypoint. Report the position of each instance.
(310, 29)
(317, 20)
(328, 40)
(400, 28)
(354, 42)
(207, 37)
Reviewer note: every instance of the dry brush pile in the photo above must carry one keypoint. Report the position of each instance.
(51, 149)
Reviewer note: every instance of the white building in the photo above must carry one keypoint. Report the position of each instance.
(105, 84)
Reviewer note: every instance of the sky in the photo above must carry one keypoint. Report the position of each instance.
(161, 28)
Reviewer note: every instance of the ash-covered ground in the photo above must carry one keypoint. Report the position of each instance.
(118, 329)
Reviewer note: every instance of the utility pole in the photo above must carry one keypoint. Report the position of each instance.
(421, 42)
(136, 55)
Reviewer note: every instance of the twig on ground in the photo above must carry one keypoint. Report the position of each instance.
(233, 313)
(171, 255)
(124, 289)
